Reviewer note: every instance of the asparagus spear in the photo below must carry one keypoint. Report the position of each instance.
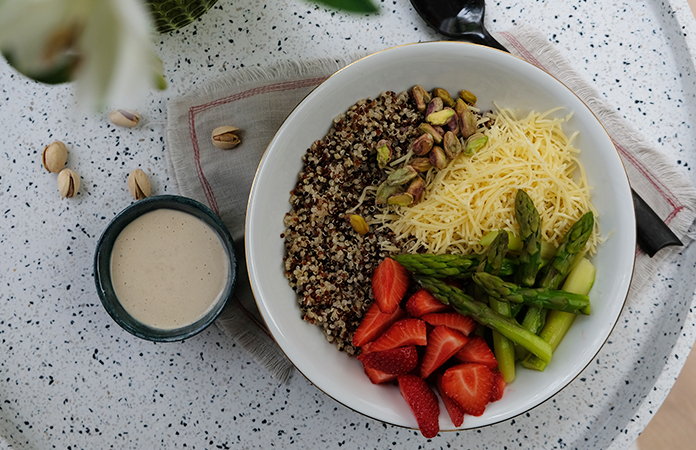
(446, 266)
(503, 348)
(553, 273)
(539, 297)
(484, 315)
(579, 281)
(529, 222)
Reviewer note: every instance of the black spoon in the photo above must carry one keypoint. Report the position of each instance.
(463, 20)
(458, 19)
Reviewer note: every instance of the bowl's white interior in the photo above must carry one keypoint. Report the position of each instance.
(493, 76)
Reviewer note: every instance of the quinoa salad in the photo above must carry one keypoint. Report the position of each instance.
(327, 262)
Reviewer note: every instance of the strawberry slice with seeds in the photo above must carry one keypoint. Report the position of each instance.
(402, 333)
(389, 285)
(498, 386)
(423, 302)
(463, 324)
(395, 361)
(477, 351)
(375, 323)
(470, 385)
(377, 377)
(453, 409)
(423, 403)
(443, 343)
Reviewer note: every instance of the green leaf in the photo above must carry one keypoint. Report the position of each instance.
(357, 6)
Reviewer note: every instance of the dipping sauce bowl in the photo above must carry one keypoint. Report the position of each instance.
(165, 268)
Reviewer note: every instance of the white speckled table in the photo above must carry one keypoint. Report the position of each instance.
(71, 378)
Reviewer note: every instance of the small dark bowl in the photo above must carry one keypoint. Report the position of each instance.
(102, 267)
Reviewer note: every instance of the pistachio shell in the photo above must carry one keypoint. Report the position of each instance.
(54, 156)
(225, 137)
(68, 183)
(139, 184)
(124, 118)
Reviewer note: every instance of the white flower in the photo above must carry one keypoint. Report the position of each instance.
(105, 45)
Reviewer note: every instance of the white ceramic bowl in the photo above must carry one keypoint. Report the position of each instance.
(494, 76)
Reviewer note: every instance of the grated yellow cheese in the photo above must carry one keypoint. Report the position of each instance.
(475, 194)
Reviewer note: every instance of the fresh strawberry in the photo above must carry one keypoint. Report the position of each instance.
(377, 377)
(375, 323)
(423, 302)
(453, 320)
(469, 385)
(498, 386)
(423, 403)
(395, 361)
(477, 351)
(453, 409)
(389, 285)
(402, 333)
(443, 343)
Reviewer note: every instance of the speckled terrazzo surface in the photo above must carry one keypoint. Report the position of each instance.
(70, 378)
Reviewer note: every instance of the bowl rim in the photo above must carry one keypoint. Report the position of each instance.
(264, 157)
(102, 258)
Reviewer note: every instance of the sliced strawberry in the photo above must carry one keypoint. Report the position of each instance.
(423, 403)
(477, 351)
(453, 409)
(395, 361)
(389, 285)
(377, 377)
(498, 386)
(375, 323)
(454, 320)
(443, 343)
(469, 385)
(423, 302)
(402, 333)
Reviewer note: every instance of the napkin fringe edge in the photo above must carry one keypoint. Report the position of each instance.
(236, 327)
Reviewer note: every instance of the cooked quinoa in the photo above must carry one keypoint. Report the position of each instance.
(327, 262)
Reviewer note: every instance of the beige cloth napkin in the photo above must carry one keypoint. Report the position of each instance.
(257, 100)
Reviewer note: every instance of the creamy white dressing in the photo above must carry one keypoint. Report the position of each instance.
(168, 268)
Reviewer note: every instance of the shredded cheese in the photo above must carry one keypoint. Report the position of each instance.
(475, 194)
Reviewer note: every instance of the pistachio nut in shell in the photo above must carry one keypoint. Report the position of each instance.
(124, 118)
(68, 183)
(54, 156)
(139, 184)
(225, 137)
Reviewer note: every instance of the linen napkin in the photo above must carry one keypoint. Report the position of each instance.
(257, 100)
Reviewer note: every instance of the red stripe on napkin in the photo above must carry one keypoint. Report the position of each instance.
(194, 110)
